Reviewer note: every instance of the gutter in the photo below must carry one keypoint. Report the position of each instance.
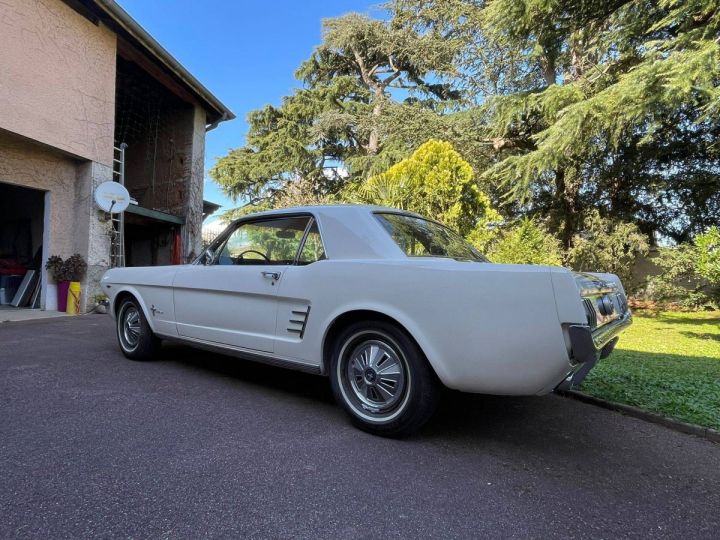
(127, 23)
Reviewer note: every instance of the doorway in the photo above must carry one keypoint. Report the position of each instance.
(22, 232)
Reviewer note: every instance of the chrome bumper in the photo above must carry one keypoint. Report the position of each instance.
(588, 347)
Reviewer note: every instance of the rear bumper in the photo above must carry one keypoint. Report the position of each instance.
(589, 347)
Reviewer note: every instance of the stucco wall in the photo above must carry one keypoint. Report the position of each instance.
(57, 83)
(76, 225)
(26, 164)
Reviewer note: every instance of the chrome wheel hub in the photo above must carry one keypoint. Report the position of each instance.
(130, 327)
(376, 375)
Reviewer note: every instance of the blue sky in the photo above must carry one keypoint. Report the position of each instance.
(244, 52)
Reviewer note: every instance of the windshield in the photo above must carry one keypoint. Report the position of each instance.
(419, 237)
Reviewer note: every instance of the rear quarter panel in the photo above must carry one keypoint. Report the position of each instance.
(485, 328)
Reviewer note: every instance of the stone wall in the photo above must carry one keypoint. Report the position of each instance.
(192, 232)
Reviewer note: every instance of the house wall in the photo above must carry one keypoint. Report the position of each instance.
(57, 84)
(57, 129)
(76, 225)
(30, 165)
(192, 231)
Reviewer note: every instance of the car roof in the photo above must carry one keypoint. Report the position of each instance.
(349, 231)
(328, 209)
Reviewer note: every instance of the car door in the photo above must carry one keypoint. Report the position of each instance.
(232, 298)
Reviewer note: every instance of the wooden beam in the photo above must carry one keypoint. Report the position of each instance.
(155, 214)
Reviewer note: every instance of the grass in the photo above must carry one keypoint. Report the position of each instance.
(668, 363)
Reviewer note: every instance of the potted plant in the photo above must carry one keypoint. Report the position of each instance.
(67, 274)
(56, 268)
(75, 268)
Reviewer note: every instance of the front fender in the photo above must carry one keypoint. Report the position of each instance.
(120, 292)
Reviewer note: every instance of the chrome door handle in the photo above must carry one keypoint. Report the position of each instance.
(271, 275)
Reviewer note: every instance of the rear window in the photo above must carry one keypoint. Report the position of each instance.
(419, 237)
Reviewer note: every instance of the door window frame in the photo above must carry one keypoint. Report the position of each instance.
(225, 235)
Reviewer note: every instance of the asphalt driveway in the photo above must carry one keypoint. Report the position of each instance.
(197, 445)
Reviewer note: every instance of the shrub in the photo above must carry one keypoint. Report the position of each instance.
(607, 245)
(434, 181)
(690, 275)
(528, 242)
(707, 246)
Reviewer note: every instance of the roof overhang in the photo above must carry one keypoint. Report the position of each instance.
(209, 208)
(116, 18)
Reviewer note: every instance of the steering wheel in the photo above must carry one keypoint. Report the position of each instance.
(242, 255)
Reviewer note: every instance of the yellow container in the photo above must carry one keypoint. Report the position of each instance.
(73, 299)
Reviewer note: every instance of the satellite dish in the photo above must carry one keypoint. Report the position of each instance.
(112, 197)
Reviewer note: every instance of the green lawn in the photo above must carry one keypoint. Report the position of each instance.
(667, 363)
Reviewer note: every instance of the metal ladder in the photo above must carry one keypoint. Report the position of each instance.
(117, 221)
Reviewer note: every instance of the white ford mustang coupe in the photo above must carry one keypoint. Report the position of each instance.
(388, 304)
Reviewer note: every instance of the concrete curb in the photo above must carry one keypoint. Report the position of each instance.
(691, 429)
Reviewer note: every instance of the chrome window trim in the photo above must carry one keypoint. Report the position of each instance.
(312, 221)
(379, 213)
(235, 225)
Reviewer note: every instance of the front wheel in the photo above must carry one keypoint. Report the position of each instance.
(382, 379)
(135, 336)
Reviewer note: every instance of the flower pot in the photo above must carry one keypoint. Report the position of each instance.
(62, 294)
(73, 298)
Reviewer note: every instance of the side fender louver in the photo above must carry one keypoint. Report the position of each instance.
(299, 322)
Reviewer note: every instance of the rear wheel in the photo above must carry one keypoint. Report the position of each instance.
(382, 379)
(135, 337)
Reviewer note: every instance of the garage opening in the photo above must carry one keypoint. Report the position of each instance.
(150, 241)
(22, 227)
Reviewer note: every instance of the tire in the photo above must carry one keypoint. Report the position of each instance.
(382, 379)
(135, 337)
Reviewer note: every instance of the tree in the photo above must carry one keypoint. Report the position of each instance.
(332, 129)
(593, 104)
(690, 274)
(607, 245)
(379, 57)
(283, 147)
(434, 181)
(559, 106)
(707, 245)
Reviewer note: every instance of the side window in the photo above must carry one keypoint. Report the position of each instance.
(275, 241)
(313, 249)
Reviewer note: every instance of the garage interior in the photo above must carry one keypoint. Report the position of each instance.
(22, 223)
